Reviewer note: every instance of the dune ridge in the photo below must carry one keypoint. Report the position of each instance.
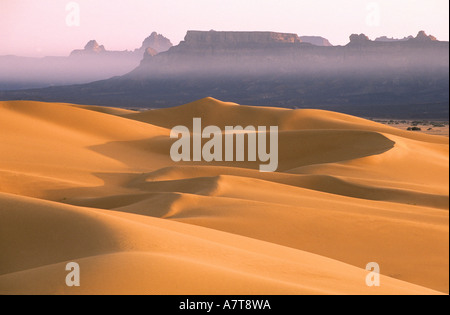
(97, 186)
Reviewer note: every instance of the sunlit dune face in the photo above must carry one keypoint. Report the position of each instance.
(97, 186)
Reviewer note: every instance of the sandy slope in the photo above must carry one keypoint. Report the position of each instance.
(97, 186)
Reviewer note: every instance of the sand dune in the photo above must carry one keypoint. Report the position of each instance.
(97, 186)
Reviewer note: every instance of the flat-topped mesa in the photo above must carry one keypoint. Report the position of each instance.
(236, 54)
(239, 38)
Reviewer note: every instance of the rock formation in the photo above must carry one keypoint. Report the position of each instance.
(389, 40)
(157, 42)
(365, 77)
(422, 36)
(360, 39)
(92, 47)
(93, 62)
(316, 40)
(150, 52)
(219, 39)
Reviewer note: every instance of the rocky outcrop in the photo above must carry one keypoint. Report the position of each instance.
(204, 54)
(199, 38)
(91, 48)
(157, 42)
(316, 40)
(422, 36)
(150, 52)
(385, 39)
(94, 47)
(360, 39)
(93, 62)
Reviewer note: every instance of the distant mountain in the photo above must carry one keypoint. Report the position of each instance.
(238, 39)
(386, 39)
(316, 40)
(400, 79)
(157, 42)
(91, 48)
(92, 63)
(421, 36)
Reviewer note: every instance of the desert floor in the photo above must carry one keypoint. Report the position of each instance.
(437, 128)
(97, 186)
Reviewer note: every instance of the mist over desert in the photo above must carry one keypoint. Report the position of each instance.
(224, 155)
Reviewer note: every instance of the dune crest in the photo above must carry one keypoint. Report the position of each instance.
(97, 186)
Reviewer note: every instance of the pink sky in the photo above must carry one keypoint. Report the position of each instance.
(38, 28)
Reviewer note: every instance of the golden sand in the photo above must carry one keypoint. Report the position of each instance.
(97, 186)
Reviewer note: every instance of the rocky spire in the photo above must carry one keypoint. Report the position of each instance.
(93, 46)
(422, 36)
(359, 39)
(157, 42)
